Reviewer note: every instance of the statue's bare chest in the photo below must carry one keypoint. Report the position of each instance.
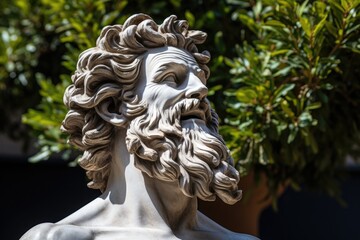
(70, 232)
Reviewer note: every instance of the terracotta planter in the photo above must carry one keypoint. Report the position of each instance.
(243, 216)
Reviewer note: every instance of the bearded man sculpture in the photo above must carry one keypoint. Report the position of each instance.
(138, 110)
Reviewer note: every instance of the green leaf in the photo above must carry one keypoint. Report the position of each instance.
(245, 125)
(280, 52)
(23, 5)
(246, 95)
(285, 107)
(335, 4)
(345, 4)
(283, 72)
(280, 127)
(190, 18)
(274, 23)
(219, 41)
(300, 9)
(292, 135)
(263, 159)
(176, 3)
(249, 22)
(109, 18)
(332, 29)
(320, 26)
(311, 141)
(305, 119)
(214, 89)
(313, 106)
(282, 91)
(43, 154)
(306, 26)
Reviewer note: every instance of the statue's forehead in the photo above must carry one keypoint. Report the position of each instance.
(159, 56)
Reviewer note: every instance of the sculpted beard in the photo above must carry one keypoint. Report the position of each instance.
(170, 148)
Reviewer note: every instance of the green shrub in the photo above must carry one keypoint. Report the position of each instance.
(293, 105)
(287, 72)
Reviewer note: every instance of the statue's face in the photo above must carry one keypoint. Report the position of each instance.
(170, 75)
(176, 139)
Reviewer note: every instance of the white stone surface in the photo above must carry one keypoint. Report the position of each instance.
(138, 110)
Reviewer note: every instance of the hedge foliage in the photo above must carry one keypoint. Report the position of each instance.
(285, 76)
(293, 104)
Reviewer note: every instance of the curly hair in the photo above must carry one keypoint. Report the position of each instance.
(104, 82)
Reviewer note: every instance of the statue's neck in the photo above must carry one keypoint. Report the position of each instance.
(142, 200)
(142, 207)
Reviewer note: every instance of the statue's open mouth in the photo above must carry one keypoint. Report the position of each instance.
(194, 114)
(195, 109)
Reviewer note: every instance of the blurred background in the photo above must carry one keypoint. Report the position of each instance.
(284, 81)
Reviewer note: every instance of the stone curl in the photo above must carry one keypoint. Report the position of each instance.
(104, 83)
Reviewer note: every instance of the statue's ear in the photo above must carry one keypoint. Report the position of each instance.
(109, 114)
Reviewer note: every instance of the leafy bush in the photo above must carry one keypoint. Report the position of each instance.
(76, 29)
(285, 70)
(294, 99)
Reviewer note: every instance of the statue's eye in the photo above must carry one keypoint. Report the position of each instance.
(171, 79)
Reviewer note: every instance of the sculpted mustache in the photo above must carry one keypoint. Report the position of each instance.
(169, 121)
(191, 107)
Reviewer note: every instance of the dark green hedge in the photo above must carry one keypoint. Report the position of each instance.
(285, 76)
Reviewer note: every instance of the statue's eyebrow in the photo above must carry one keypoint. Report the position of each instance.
(200, 73)
(173, 67)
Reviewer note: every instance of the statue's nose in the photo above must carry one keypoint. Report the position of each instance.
(196, 88)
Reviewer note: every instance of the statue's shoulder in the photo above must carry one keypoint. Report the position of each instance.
(215, 235)
(38, 232)
(51, 231)
(242, 236)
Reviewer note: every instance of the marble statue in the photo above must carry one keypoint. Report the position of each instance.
(138, 110)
